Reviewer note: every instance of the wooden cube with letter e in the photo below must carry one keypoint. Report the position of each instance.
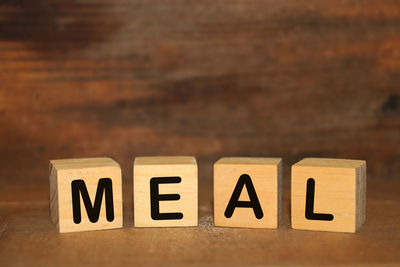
(328, 194)
(165, 191)
(247, 192)
(85, 194)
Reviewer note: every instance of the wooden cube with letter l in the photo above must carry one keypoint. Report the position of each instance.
(328, 194)
(247, 192)
(165, 191)
(85, 194)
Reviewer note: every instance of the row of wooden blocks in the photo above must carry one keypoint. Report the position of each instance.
(327, 194)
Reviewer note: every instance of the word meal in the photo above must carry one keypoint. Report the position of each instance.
(326, 194)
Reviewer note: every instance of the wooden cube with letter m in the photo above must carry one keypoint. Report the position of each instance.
(85, 194)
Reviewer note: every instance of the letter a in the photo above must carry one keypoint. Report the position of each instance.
(244, 180)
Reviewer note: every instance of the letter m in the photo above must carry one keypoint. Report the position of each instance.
(78, 188)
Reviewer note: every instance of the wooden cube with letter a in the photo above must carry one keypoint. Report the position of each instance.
(247, 192)
(328, 194)
(165, 191)
(85, 194)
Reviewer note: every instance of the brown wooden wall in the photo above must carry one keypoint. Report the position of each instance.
(206, 78)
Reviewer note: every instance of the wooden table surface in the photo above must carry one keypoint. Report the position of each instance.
(28, 237)
(212, 78)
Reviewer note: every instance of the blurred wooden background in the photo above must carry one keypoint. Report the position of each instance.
(122, 78)
(205, 78)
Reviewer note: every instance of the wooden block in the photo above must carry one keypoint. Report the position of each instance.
(85, 194)
(328, 194)
(247, 192)
(165, 191)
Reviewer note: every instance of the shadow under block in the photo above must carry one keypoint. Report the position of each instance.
(95, 185)
(165, 192)
(331, 191)
(234, 173)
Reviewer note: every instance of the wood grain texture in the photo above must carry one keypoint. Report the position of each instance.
(185, 187)
(25, 218)
(90, 171)
(265, 175)
(127, 78)
(339, 190)
(218, 78)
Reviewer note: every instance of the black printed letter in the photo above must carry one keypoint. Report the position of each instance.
(155, 198)
(310, 215)
(244, 180)
(104, 184)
